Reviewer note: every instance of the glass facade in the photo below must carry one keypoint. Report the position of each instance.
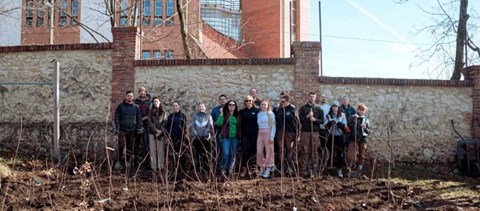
(223, 15)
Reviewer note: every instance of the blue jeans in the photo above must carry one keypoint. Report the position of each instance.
(229, 149)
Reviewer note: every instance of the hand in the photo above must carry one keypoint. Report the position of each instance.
(355, 116)
(271, 141)
(141, 130)
(312, 119)
(221, 111)
(364, 126)
(144, 118)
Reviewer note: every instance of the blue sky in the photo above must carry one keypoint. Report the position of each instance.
(346, 22)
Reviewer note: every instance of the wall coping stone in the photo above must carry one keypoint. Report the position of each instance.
(62, 47)
(256, 61)
(393, 81)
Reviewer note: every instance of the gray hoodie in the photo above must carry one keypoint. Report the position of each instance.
(202, 126)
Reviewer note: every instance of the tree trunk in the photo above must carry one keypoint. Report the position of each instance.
(183, 30)
(461, 38)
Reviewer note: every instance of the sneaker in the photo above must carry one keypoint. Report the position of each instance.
(260, 173)
(360, 167)
(224, 173)
(117, 166)
(243, 172)
(266, 173)
(340, 174)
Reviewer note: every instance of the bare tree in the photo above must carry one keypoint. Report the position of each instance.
(452, 37)
(7, 7)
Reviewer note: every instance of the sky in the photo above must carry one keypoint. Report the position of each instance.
(375, 38)
(360, 38)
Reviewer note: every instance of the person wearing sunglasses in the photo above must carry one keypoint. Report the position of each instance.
(248, 134)
(289, 126)
(228, 121)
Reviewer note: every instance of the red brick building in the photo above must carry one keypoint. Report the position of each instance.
(216, 28)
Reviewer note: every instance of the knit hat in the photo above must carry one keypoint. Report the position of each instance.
(335, 103)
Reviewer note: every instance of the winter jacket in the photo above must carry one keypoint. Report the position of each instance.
(156, 121)
(144, 105)
(336, 124)
(358, 132)
(247, 119)
(202, 126)
(347, 110)
(267, 120)
(287, 119)
(127, 117)
(229, 126)
(176, 125)
(317, 114)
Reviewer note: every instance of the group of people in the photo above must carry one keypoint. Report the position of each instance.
(269, 136)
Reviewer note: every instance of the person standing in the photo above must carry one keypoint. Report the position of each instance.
(222, 99)
(265, 139)
(360, 129)
(228, 121)
(289, 124)
(336, 123)
(127, 122)
(311, 116)
(253, 93)
(248, 133)
(156, 120)
(175, 127)
(201, 133)
(141, 139)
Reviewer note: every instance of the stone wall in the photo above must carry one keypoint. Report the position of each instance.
(417, 117)
(191, 84)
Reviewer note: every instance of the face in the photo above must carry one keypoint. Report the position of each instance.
(323, 99)
(312, 98)
(142, 92)
(156, 103)
(232, 106)
(335, 109)
(345, 101)
(249, 103)
(253, 92)
(264, 106)
(222, 100)
(361, 111)
(201, 108)
(129, 97)
(176, 107)
(284, 102)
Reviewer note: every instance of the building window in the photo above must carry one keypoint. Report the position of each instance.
(169, 54)
(146, 54)
(158, 12)
(123, 13)
(63, 14)
(74, 12)
(40, 14)
(157, 55)
(29, 20)
(170, 10)
(147, 12)
(294, 21)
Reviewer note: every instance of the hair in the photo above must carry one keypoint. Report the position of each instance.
(222, 95)
(245, 103)
(330, 112)
(271, 121)
(312, 93)
(128, 92)
(345, 97)
(159, 110)
(283, 93)
(225, 109)
(363, 106)
(141, 89)
(286, 97)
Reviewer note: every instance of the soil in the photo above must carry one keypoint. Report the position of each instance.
(35, 186)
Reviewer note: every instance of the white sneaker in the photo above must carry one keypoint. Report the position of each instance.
(266, 173)
(360, 167)
(261, 172)
(340, 174)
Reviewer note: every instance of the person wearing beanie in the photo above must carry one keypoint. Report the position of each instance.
(360, 129)
(336, 121)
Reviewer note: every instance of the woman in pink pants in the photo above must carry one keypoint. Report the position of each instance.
(266, 133)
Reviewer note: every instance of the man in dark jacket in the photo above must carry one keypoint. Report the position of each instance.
(141, 139)
(289, 125)
(311, 116)
(128, 123)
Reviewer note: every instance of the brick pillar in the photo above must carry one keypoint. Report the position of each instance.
(472, 73)
(307, 63)
(126, 48)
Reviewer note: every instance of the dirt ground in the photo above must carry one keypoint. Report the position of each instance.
(35, 186)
